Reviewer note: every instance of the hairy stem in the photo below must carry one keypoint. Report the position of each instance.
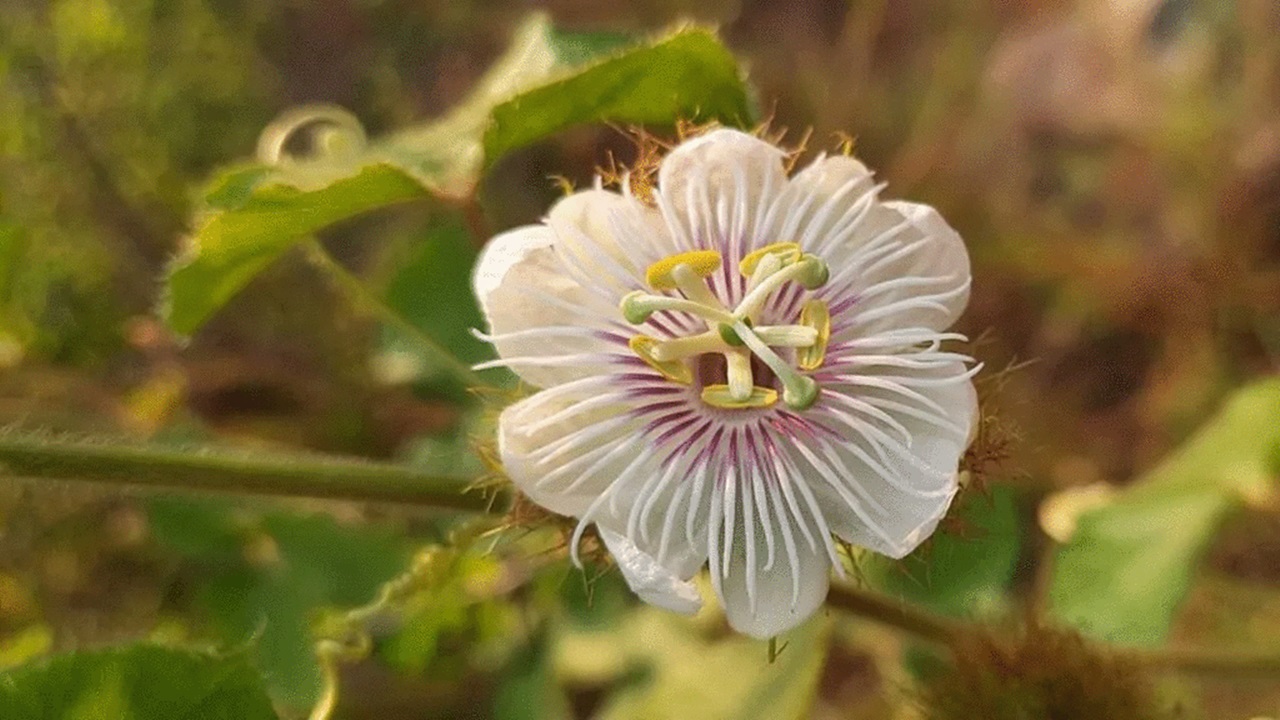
(362, 297)
(925, 625)
(27, 456)
(897, 614)
(1211, 661)
(296, 476)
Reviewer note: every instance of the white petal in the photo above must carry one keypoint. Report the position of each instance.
(893, 513)
(715, 189)
(609, 239)
(945, 256)
(781, 598)
(904, 266)
(901, 260)
(527, 296)
(562, 452)
(652, 582)
(830, 194)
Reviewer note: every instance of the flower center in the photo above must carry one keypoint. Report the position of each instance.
(733, 338)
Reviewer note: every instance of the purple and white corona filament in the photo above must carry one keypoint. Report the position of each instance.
(735, 371)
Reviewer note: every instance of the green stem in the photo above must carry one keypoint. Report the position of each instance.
(302, 476)
(1206, 661)
(362, 297)
(925, 625)
(911, 619)
(296, 476)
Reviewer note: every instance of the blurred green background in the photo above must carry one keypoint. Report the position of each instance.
(1114, 167)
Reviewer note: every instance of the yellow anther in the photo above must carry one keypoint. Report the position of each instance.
(718, 396)
(676, 370)
(815, 314)
(660, 275)
(787, 252)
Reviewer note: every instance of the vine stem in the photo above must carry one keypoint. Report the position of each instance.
(302, 476)
(362, 297)
(925, 625)
(910, 619)
(286, 475)
(1206, 661)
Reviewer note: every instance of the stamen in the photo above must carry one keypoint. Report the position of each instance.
(798, 391)
(815, 314)
(767, 266)
(738, 371)
(720, 396)
(768, 270)
(785, 252)
(694, 286)
(644, 347)
(809, 271)
(638, 306)
(661, 274)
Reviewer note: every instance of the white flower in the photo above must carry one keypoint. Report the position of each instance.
(734, 371)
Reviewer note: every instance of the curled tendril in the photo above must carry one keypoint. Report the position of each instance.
(330, 132)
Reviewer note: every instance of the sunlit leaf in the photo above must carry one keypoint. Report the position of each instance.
(249, 230)
(690, 76)
(545, 83)
(139, 682)
(27, 644)
(1126, 569)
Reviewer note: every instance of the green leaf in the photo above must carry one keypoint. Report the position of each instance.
(542, 85)
(437, 274)
(961, 573)
(690, 75)
(266, 578)
(1128, 566)
(139, 682)
(248, 230)
(528, 689)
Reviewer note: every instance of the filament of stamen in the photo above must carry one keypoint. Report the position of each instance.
(784, 252)
(767, 266)
(695, 287)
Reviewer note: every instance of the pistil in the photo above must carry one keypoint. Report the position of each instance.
(639, 305)
(796, 336)
(732, 334)
(798, 391)
(809, 271)
(681, 348)
(739, 375)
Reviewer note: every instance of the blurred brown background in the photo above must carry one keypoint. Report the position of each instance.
(1113, 164)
